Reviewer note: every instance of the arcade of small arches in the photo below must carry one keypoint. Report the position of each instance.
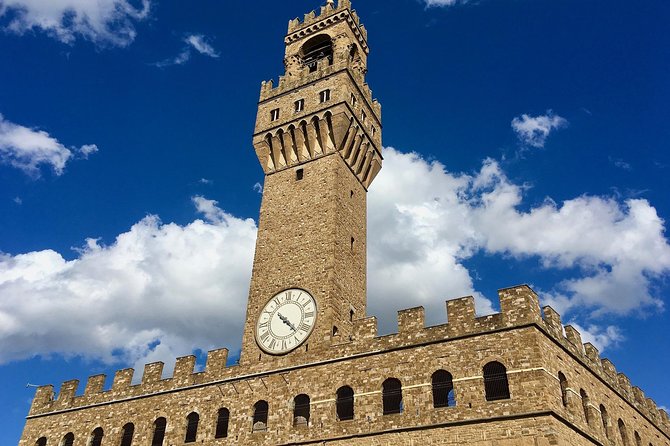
(442, 389)
(617, 434)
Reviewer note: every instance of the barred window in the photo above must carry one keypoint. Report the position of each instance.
(96, 437)
(443, 389)
(127, 436)
(159, 432)
(301, 407)
(392, 396)
(495, 382)
(260, 419)
(68, 439)
(345, 403)
(192, 421)
(222, 423)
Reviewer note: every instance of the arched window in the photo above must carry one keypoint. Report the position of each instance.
(605, 419)
(345, 403)
(127, 436)
(317, 48)
(192, 421)
(564, 388)
(301, 408)
(585, 405)
(260, 420)
(96, 437)
(68, 439)
(222, 423)
(623, 433)
(41, 442)
(392, 396)
(159, 432)
(495, 382)
(443, 389)
(638, 439)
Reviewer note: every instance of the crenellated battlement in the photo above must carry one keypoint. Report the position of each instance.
(519, 305)
(315, 20)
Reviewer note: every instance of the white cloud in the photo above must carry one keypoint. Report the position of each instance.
(533, 131)
(105, 22)
(18, 200)
(424, 222)
(179, 286)
(199, 42)
(87, 150)
(258, 187)
(161, 290)
(28, 149)
(205, 181)
(445, 2)
(196, 42)
(601, 337)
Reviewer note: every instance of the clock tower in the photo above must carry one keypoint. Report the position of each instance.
(318, 139)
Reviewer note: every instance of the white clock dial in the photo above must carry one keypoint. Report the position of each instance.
(286, 321)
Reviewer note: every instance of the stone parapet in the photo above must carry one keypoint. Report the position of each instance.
(520, 308)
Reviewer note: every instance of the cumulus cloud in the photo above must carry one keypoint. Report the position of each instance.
(162, 290)
(601, 337)
(28, 149)
(105, 22)
(424, 222)
(157, 292)
(197, 42)
(533, 131)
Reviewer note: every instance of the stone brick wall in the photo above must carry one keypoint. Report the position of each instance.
(533, 415)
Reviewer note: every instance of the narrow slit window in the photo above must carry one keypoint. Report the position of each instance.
(260, 419)
(191, 427)
(353, 100)
(564, 388)
(495, 382)
(299, 105)
(159, 432)
(585, 405)
(222, 423)
(274, 114)
(128, 432)
(351, 315)
(443, 389)
(301, 408)
(353, 243)
(392, 397)
(344, 404)
(336, 331)
(96, 437)
(324, 96)
(364, 117)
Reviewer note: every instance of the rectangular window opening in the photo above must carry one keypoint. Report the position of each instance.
(299, 174)
(299, 105)
(324, 96)
(274, 114)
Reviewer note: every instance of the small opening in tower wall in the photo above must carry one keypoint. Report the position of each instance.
(324, 96)
(299, 105)
(351, 315)
(336, 331)
(317, 48)
(299, 174)
(274, 114)
(353, 243)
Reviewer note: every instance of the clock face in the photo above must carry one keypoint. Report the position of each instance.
(286, 321)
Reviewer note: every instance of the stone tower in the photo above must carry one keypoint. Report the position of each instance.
(318, 139)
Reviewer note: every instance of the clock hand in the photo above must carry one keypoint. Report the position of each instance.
(285, 320)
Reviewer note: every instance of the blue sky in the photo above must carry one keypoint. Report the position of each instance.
(527, 142)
